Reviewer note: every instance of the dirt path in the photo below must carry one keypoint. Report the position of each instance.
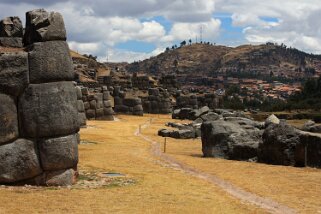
(247, 197)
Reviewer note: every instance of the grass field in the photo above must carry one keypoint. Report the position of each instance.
(157, 188)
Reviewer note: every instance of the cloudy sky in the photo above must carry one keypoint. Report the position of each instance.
(128, 30)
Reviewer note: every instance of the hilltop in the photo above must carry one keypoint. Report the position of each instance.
(246, 60)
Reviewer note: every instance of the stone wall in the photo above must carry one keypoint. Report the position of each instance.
(157, 102)
(11, 32)
(127, 105)
(97, 104)
(38, 115)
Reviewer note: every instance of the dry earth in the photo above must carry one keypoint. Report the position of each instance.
(152, 186)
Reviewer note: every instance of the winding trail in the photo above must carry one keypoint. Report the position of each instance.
(247, 197)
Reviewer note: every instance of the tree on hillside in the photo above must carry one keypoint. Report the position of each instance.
(190, 41)
(183, 43)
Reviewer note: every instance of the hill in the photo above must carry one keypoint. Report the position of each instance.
(246, 60)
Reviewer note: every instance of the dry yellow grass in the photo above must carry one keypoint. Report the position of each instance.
(159, 189)
(298, 188)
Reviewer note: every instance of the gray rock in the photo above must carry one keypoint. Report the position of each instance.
(14, 73)
(131, 102)
(153, 92)
(19, 161)
(14, 42)
(93, 104)
(183, 134)
(196, 113)
(211, 116)
(99, 113)
(82, 119)
(311, 126)
(50, 62)
(138, 108)
(42, 26)
(107, 104)
(86, 105)
(164, 133)
(228, 140)
(109, 111)
(106, 95)
(11, 27)
(80, 106)
(79, 93)
(48, 110)
(60, 178)
(91, 114)
(59, 153)
(9, 129)
(272, 119)
(245, 123)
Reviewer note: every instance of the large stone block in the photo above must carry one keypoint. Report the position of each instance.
(80, 106)
(50, 62)
(59, 153)
(18, 161)
(14, 75)
(48, 110)
(11, 27)
(8, 119)
(42, 26)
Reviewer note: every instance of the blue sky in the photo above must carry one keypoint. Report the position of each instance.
(128, 30)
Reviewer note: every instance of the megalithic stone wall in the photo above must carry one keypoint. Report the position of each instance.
(39, 120)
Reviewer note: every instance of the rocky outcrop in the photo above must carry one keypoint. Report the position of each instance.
(311, 126)
(228, 140)
(284, 145)
(38, 115)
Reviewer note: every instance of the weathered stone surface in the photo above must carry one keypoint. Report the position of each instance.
(211, 116)
(93, 104)
(80, 106)
(138, 108)
(14, 75)
(42, 26)
(61, 178)
(164, 133)
(50, 62)
(82, 119)
(311, 126)
(272, 120)
(18, 161)
(91, 114)
(79, 93)
(9, 129)
(48, 110)
(11, 27)
(153, 91)
(279, 145)
(109, 111)
(106, 95)
(86, 105)
(107, 104)
(131, 102)
(183, 134)
(99, 112)
(229, 140)
(14, 42)
(59, 153)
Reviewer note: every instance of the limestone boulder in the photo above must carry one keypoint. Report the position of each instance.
(50, 62)
(43, 26)
(59, 153)
(48, 110)
(14, 73)
(19, 161)
(9, 128)
(272, 119)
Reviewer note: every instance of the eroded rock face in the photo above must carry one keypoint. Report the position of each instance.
(43, 26)
(14, 74)
(8, 119)
(50, 62)
(19, 161)
(49, 109)
(229, 140)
